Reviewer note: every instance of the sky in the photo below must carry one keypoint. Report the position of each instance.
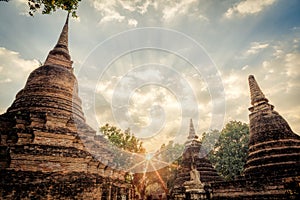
(152, 65)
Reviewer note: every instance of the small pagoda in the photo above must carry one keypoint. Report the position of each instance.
(195, 172)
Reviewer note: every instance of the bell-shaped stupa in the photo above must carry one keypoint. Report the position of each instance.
(274, 149)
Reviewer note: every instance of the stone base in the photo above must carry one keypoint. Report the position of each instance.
(195, 195)
(193, 187)
(256, 189)
(191, 195)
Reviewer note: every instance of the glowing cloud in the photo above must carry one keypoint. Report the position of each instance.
(248, 7)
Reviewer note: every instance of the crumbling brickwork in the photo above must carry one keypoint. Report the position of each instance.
(46, 148)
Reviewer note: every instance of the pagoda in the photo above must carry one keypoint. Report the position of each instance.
(194, 166)
(274, 149)
(45, 141)
(272, 169)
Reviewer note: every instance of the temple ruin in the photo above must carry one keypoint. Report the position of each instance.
(46, 147)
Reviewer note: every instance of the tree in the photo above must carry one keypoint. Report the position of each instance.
(231, 150)
(209, 140)
(49, 6)
(171, 152)
(123, 146)
(123, 140)
(125, 143)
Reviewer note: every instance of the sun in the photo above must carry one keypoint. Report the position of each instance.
(148, 156)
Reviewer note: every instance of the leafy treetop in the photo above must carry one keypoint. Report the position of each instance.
(231, 150)
(123, 139)
(49, 6)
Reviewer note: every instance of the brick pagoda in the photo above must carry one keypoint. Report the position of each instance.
(193, 162)
(43, 148)
(272, 170)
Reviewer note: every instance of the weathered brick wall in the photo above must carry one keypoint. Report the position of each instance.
(40, 185)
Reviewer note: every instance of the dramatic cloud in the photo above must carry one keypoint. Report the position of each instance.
(159, 109)
(167, 10)
(248, 7)
(250, 45)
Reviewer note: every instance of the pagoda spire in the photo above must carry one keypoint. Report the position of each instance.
(59, 55)
(63, 38)
(257, 96)
(192, 134)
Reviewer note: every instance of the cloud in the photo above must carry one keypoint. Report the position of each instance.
(142, 9)
(12, 60)
(166, 10)
(111, 15)
(255, 48)
(278, 52)
(128, 5)
(277, 71)
(108, 11)
(203, 18)
(14, 71)
(278, 76)
(248, 7)
(175, 9)
(292, 63)
(154, 112)
(111, 10)
(132, 22)
(234, 88)
(14, 68)
(245, 67)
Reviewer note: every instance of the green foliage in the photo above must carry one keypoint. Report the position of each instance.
(209, 140)
(127, 142)
(123, 140)
(171, 153)
(230, 152)
(49, 6)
